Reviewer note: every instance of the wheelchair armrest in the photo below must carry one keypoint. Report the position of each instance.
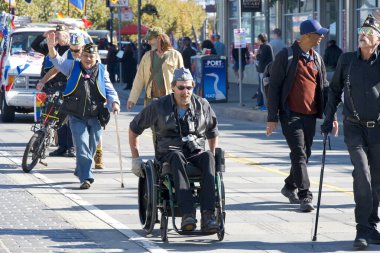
(219, 160)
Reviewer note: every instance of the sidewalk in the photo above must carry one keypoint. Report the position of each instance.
(36, 218)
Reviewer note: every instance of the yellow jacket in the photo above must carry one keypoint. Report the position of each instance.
(173, 61)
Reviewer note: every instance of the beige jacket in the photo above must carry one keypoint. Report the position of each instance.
(173, 61)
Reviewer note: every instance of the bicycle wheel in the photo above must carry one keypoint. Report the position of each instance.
(32, 151)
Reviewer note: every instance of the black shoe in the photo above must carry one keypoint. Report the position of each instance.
(254, 96)
(291, 195)
(360, 242)
(85, 185)
(71, 152)
(208, 222)
(373, 237)
(189, 223)
(61, 151)
(306, 205)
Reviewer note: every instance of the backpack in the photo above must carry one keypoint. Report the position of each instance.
(267, 69)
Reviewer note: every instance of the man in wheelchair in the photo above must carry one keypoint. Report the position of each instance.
(182, 122)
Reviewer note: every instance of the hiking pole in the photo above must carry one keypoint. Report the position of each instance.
(320, 186)
(119, 149)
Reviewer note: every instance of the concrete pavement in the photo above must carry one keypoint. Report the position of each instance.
(105, 219)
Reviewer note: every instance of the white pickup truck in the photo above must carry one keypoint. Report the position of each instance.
(20, 70)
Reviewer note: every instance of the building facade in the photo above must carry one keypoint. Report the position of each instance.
(342, 17)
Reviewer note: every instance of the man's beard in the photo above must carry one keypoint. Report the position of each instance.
(185, 100)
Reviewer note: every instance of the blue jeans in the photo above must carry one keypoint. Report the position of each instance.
(86, 134)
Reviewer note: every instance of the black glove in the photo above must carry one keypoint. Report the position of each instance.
(327, 127)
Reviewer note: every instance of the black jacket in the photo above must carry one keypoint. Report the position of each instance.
(365, 82)
(281, 84)
(264, 56)
(331, 57)
(40, 45)
(186, 55)
(160, 115)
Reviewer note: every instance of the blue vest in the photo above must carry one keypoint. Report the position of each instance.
(75, 76)
(48, 64)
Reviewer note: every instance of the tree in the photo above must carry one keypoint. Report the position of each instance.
(173, 16)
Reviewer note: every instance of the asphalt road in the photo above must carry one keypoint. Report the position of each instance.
(259, 218)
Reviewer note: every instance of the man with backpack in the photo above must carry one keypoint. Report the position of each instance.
(296, 97)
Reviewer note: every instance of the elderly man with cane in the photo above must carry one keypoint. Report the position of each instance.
(358, 75)
(88, 89)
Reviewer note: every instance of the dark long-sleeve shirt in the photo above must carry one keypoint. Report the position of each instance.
(365, 83)
(40, 45)
(264, 56)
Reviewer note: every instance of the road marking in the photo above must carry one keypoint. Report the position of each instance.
(122, 228)
(256, 164)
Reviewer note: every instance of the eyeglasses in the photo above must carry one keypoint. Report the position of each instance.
(75, 50)
(185, 87)
(367, 31)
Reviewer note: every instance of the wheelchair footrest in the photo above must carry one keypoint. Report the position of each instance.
(195, 232)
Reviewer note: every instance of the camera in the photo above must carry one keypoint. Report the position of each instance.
(190, 143)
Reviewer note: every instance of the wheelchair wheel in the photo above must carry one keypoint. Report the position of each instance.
(33, 151)
(147, 197)
(221, 213)
(164, 224)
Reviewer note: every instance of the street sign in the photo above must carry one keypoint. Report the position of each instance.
(119, 3)
(127, 14)
(239, 38)
(251, 5)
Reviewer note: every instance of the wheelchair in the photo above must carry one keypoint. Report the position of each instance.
(156, 193)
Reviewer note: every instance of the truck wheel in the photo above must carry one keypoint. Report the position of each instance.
(7, 112)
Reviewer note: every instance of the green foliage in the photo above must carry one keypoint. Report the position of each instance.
(172, 15)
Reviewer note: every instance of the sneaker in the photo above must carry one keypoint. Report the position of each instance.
(60, 151)
(98, 159)
(291, 195)
(208, 222)
(189, 223)
(85, 185)
(306, 205)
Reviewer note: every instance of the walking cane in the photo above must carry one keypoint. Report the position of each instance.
(119, 149)
(320, 186)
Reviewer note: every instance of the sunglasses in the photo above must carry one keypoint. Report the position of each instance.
(367, 31)
(185, 87)
(75, 50)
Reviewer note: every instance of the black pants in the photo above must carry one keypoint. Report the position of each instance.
(65, 138)
(299, 131)
(364, 148)
(206, 162)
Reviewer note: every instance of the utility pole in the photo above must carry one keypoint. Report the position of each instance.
(138, 31)
(239, 64)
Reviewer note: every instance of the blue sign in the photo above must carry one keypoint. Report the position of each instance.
(214, 80)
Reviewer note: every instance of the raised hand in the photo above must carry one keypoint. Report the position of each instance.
(51, 40)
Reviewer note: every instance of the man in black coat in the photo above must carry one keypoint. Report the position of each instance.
(357, 74)
(296, 98)
(65, 142)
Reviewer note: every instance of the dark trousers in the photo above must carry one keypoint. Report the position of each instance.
(299, 131)
(65, 138)
(204, 161)
(364, 148)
